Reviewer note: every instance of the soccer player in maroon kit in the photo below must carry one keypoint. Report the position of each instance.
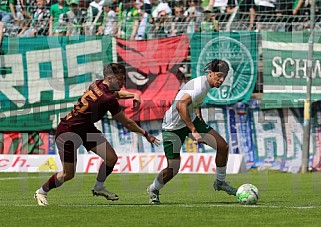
(78, 128)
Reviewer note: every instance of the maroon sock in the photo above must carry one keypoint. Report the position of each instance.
(103, 172)
(52, 183)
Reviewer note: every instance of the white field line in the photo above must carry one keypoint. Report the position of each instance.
(170, 205)
(17, 178)
(40, 177)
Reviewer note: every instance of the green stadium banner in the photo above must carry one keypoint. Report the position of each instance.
(285, 61)
(41, 78)
(239, 49)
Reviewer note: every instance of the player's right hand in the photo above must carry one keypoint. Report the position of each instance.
(136, 102)
(198, 138)
(153, 139)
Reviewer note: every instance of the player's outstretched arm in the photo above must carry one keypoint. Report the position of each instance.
(123, 94)
(132, 126)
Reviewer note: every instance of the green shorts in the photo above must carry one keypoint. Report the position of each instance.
(173, 140)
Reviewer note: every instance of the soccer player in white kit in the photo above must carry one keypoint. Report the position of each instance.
(184, 118)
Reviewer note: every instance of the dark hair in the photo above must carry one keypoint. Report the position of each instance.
(217, 65)
(146, 7)
(114, 69)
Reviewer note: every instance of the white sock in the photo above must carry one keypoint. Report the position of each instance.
(221, 173)
(156, 185)
(41, 191)
(99, 185)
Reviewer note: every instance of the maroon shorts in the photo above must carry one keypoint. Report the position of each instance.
(69, 139)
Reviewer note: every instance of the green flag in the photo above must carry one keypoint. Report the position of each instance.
(285, 61)
(42, 78)
(239, 49)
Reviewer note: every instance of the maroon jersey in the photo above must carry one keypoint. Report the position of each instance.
(93, 105)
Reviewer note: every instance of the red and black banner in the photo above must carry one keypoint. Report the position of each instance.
(154, 72)
(24, 143)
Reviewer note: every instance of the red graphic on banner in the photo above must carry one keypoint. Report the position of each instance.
(24, 143)
(153, 71)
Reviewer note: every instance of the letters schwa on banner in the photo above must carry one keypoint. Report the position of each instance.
(285, 69)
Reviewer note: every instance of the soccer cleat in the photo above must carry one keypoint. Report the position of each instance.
(224, 186)
(103, 192)
(41, 199)
(153, 196)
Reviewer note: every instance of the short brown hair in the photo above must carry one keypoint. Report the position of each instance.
(114, 69)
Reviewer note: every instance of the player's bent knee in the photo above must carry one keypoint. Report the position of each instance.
(68, 176)
(227, 148)
(224, 149)
(112, 160)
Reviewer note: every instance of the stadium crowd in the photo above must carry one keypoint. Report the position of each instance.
(142, 19)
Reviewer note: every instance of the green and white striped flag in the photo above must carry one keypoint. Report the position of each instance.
(285, 67)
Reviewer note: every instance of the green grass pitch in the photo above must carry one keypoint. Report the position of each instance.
(189, 200)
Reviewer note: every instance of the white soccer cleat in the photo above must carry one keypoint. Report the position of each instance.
(103, 192)
(153, 196)
(41, 199)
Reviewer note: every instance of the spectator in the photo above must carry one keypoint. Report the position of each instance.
(246, 12)
(179, 21)
(301, 10)
(7, 18)
(284, 14)
(160, 30)
(55, 29)
(218, 5)
(209, 24)
(129, 21)
(162, 6)
(297, 7)
(179, 3)
(115, 6)
(194, 16)
(144, 19)
(39, 23)
(109, 26)
(32, 6)
(265, 10)
(6, 15)
(94, 17)
(17, 8)
(153, 4)
(74, 19)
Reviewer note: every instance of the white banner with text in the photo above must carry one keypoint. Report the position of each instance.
(127, 163)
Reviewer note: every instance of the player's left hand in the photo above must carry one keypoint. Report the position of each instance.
(136, 102)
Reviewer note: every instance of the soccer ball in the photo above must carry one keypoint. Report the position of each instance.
(247, 194)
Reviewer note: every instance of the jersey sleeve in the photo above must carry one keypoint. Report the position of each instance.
(192, 89)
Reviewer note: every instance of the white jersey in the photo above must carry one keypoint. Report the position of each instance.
(110, 23)
(197, 88)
